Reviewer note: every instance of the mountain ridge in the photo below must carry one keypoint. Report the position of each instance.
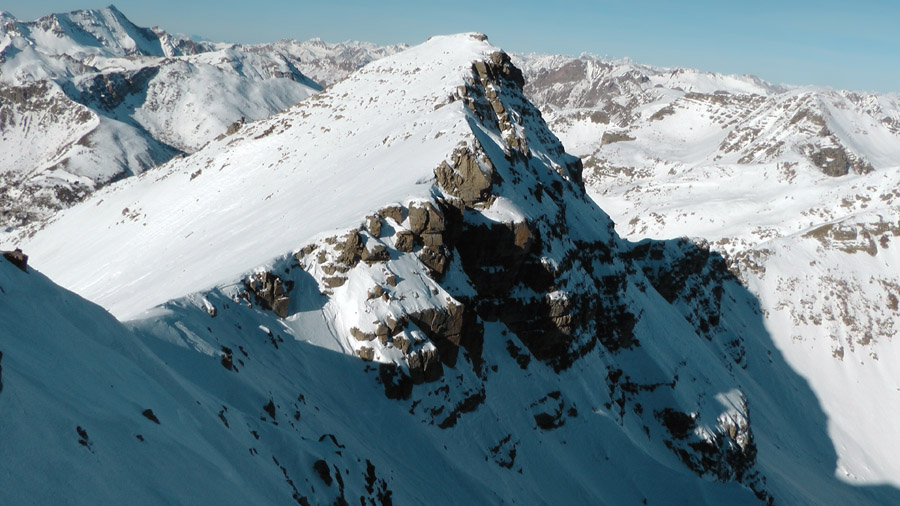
(485, 260)
(415, 252)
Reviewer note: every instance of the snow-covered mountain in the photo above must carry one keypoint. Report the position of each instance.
(87, 97)
(620, 114)
(324, 62)
(796, 186)
(396, 291)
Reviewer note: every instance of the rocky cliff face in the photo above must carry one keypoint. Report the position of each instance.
(794, 186)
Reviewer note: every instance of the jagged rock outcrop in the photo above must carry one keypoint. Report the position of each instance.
(465, 178)
(17, 258)
(271, 292)
(424, 366)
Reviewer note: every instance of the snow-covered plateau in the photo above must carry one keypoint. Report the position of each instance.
(451, 276)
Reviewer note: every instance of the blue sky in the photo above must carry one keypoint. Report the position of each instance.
(834, 43)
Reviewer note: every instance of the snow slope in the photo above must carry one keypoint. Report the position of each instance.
(418, 216)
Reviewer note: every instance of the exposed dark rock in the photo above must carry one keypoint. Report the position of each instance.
(728, 453)
(403, 241)
(444, 328)
(270, 292)
(333, 440)
(611, 137)
(360, 335)
(402, 344)
(468, 404)
(227, 358)
(831, 161)
(523, 359)
(677, 423)
(393, 212)
(494, 256)
(366, 353)
(682, 270)
(83, 438)
(424, 366)
(397, 385)
(436, 259)
(295, 494)
(382, 332)
(324, 472)
(424, 218)
(375, 292)
(109, 90)
(235, 127)
(373, 225)
(378, 253)
(17, 258)
(270, 408)
(280, 306)
(465, 178)
(499, 257)
(148, 414)
(662, 113)
(504, 452)
(551, 411)
(334, 281)
(350, 249)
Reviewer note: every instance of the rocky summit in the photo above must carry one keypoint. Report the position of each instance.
(404, 290)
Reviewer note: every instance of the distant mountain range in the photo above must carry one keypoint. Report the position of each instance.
(88, 98)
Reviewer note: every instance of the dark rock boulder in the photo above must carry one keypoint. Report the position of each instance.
(373, 225)
(465, 178)
(378, 253)
(321, 468)
(366, 353)
(270, 292)
(393, 212)
(444, 328)
(397, 385)
(424, 366)
(403, 241)
(360, 335)
(149, 415)
(17, 258)
(436, 259)
(350, 249)
(424, 218)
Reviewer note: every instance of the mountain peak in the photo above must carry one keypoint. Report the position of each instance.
(370, 140)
